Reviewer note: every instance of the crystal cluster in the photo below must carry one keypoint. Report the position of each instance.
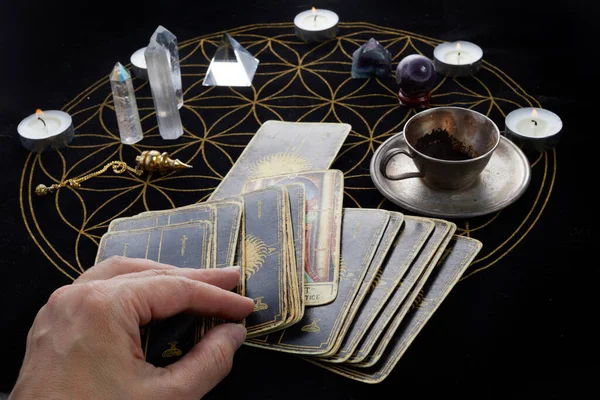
(232, 65)
(371, 60)
(164, 75)
(130, 128)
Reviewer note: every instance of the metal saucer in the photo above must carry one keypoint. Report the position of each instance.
(502, 182)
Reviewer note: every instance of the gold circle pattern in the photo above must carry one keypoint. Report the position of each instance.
(295, 81)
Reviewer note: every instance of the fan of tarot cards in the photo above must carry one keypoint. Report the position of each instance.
(345, 289)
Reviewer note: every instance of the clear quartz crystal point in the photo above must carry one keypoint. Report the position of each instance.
(163, 91)
(163, 37)
(128, 118)
(232, 65)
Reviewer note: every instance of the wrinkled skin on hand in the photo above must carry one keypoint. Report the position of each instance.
(85, 341)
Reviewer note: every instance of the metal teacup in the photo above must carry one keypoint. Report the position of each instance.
(472, 130)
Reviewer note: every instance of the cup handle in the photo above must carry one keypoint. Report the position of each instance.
(391, 153)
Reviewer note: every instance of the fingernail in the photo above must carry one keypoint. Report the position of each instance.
(238, 334)
(233, 268)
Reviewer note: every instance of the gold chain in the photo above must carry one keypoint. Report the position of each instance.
(149, 161)
(118, 167)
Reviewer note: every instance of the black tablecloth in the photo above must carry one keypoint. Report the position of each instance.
(515, 324)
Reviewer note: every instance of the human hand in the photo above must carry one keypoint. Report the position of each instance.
(85, 342)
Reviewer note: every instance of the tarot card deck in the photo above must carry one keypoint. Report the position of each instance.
(345, 289)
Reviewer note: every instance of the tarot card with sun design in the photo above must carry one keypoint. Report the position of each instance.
(297, 202)
(445, 275)
(266, 258)
(409, 242)
(185, 246)
(284, 148)
(324, 192)
(295, 239)
(396, 306)
(317, 332)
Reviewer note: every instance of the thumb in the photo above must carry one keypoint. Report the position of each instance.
(209, 361)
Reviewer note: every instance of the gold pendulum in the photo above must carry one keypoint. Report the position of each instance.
(148, 161)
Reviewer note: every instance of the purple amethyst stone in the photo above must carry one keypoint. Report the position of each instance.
(416, 75)
(371, 59)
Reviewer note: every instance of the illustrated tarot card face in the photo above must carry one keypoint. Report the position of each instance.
(324, 191)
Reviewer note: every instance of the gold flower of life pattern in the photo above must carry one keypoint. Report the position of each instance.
(295, 81)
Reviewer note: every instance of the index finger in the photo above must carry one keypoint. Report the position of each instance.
(163, 296)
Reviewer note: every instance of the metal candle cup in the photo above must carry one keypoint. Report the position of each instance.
(46, 130)
(533, 128)
(457, 59)
(138, 64)
(316, 25)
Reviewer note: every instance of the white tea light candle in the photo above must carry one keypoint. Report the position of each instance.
(138, 64)
(533, 128)
(457, 59)
(316, 25)
(46, 130)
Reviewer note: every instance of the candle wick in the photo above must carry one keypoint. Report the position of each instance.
(43, 122)
(534, 121)
(315, 19)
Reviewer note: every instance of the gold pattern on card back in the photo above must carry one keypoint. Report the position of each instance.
(344, 269)
(255, 252)
(173, 351)
(259, 305)
(377, 281)
(184, 239)
(419, 301)
(312, 327)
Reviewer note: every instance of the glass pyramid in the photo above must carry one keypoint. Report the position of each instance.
(232, 65)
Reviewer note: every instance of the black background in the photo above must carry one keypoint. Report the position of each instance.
(524, 330)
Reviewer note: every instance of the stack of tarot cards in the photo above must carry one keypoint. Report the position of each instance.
(345, 289)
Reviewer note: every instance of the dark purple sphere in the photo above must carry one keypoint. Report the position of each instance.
(416, 75)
